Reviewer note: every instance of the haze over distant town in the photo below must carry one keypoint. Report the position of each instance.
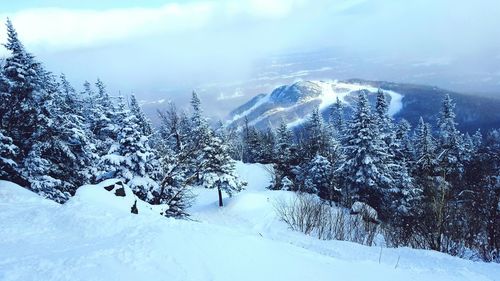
(230, 51)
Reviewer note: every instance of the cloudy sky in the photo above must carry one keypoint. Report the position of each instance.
(161, 48)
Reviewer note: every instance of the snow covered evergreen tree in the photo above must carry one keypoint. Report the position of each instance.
(366, 174)
(142, 120)
(384, 121)
(337, 119)
(266, 147)
(8, 153)
(31, 121)
(451, 149)
(315, 141)
(317, 178)
(218, 169)
(198, 138)
(131, 158)
(251, 143)
(425, 150)
(105, 117)
(175, 158)
(74, 143)
(403, 148)
(284, 162)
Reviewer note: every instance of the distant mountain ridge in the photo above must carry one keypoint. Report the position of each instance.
(293, 103)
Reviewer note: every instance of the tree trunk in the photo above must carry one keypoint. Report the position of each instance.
(220, 197)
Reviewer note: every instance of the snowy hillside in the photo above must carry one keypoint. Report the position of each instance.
(91, 239)
(294, 102)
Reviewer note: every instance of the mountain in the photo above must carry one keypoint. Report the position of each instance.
(294, 102)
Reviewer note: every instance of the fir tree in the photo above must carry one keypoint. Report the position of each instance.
(219, 169)
(284, 161)
(198, 139)
(265, 146)
(425, 150)
(315, 136)
(31, 92)
(132, 159)
(402, 144)
(251, 144)
(8, 153)
(451, 148)
(142, 120)
(367, 175)
(384, 121)
(176, 158)
(337, 119)
(74, 144)
(317, 178)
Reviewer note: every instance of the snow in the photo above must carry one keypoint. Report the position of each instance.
(94, 237)
(260, 102)
(330, 91)
(333, 89)
(91, 197)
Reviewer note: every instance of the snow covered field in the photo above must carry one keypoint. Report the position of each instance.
(90, 239)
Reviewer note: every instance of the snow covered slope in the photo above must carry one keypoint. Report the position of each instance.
(294, 102)
(86, 239)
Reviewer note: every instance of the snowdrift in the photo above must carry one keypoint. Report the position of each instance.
(94, 236)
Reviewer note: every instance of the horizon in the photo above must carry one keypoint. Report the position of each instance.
(231, 52)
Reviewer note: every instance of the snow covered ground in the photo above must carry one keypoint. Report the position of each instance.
(89, 239)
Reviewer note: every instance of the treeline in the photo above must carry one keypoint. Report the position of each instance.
(432, 187)
(53, 139)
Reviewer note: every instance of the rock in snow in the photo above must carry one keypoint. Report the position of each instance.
(94, 236)
(112, 194)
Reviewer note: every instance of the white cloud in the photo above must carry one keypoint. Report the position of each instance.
(56, 28)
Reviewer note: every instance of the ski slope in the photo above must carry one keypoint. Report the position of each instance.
(90, 239)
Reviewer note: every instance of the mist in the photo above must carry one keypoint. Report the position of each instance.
(231, 51)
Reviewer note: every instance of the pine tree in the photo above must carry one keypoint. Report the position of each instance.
(251, 144)
(477, 139)
(367, 175)
(385, 124)
(142, 120)
(173, 190)
(485, 180)
(89, 109)
(315, 136)
(197, 140)
(73, 144)
(317, 178)
(451, 150)
(408, 196)
(284, 150)
(106, 118)
(265, 146)
(219, 169)
(337, 119)
(175, 158)
(132, 159)
(8, 153)
(22, 91)
(402, 144)
(31, 93)
(425, 150)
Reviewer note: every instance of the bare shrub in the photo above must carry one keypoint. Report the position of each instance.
(310, 215)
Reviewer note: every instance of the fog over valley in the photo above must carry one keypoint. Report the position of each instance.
(230, 52)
